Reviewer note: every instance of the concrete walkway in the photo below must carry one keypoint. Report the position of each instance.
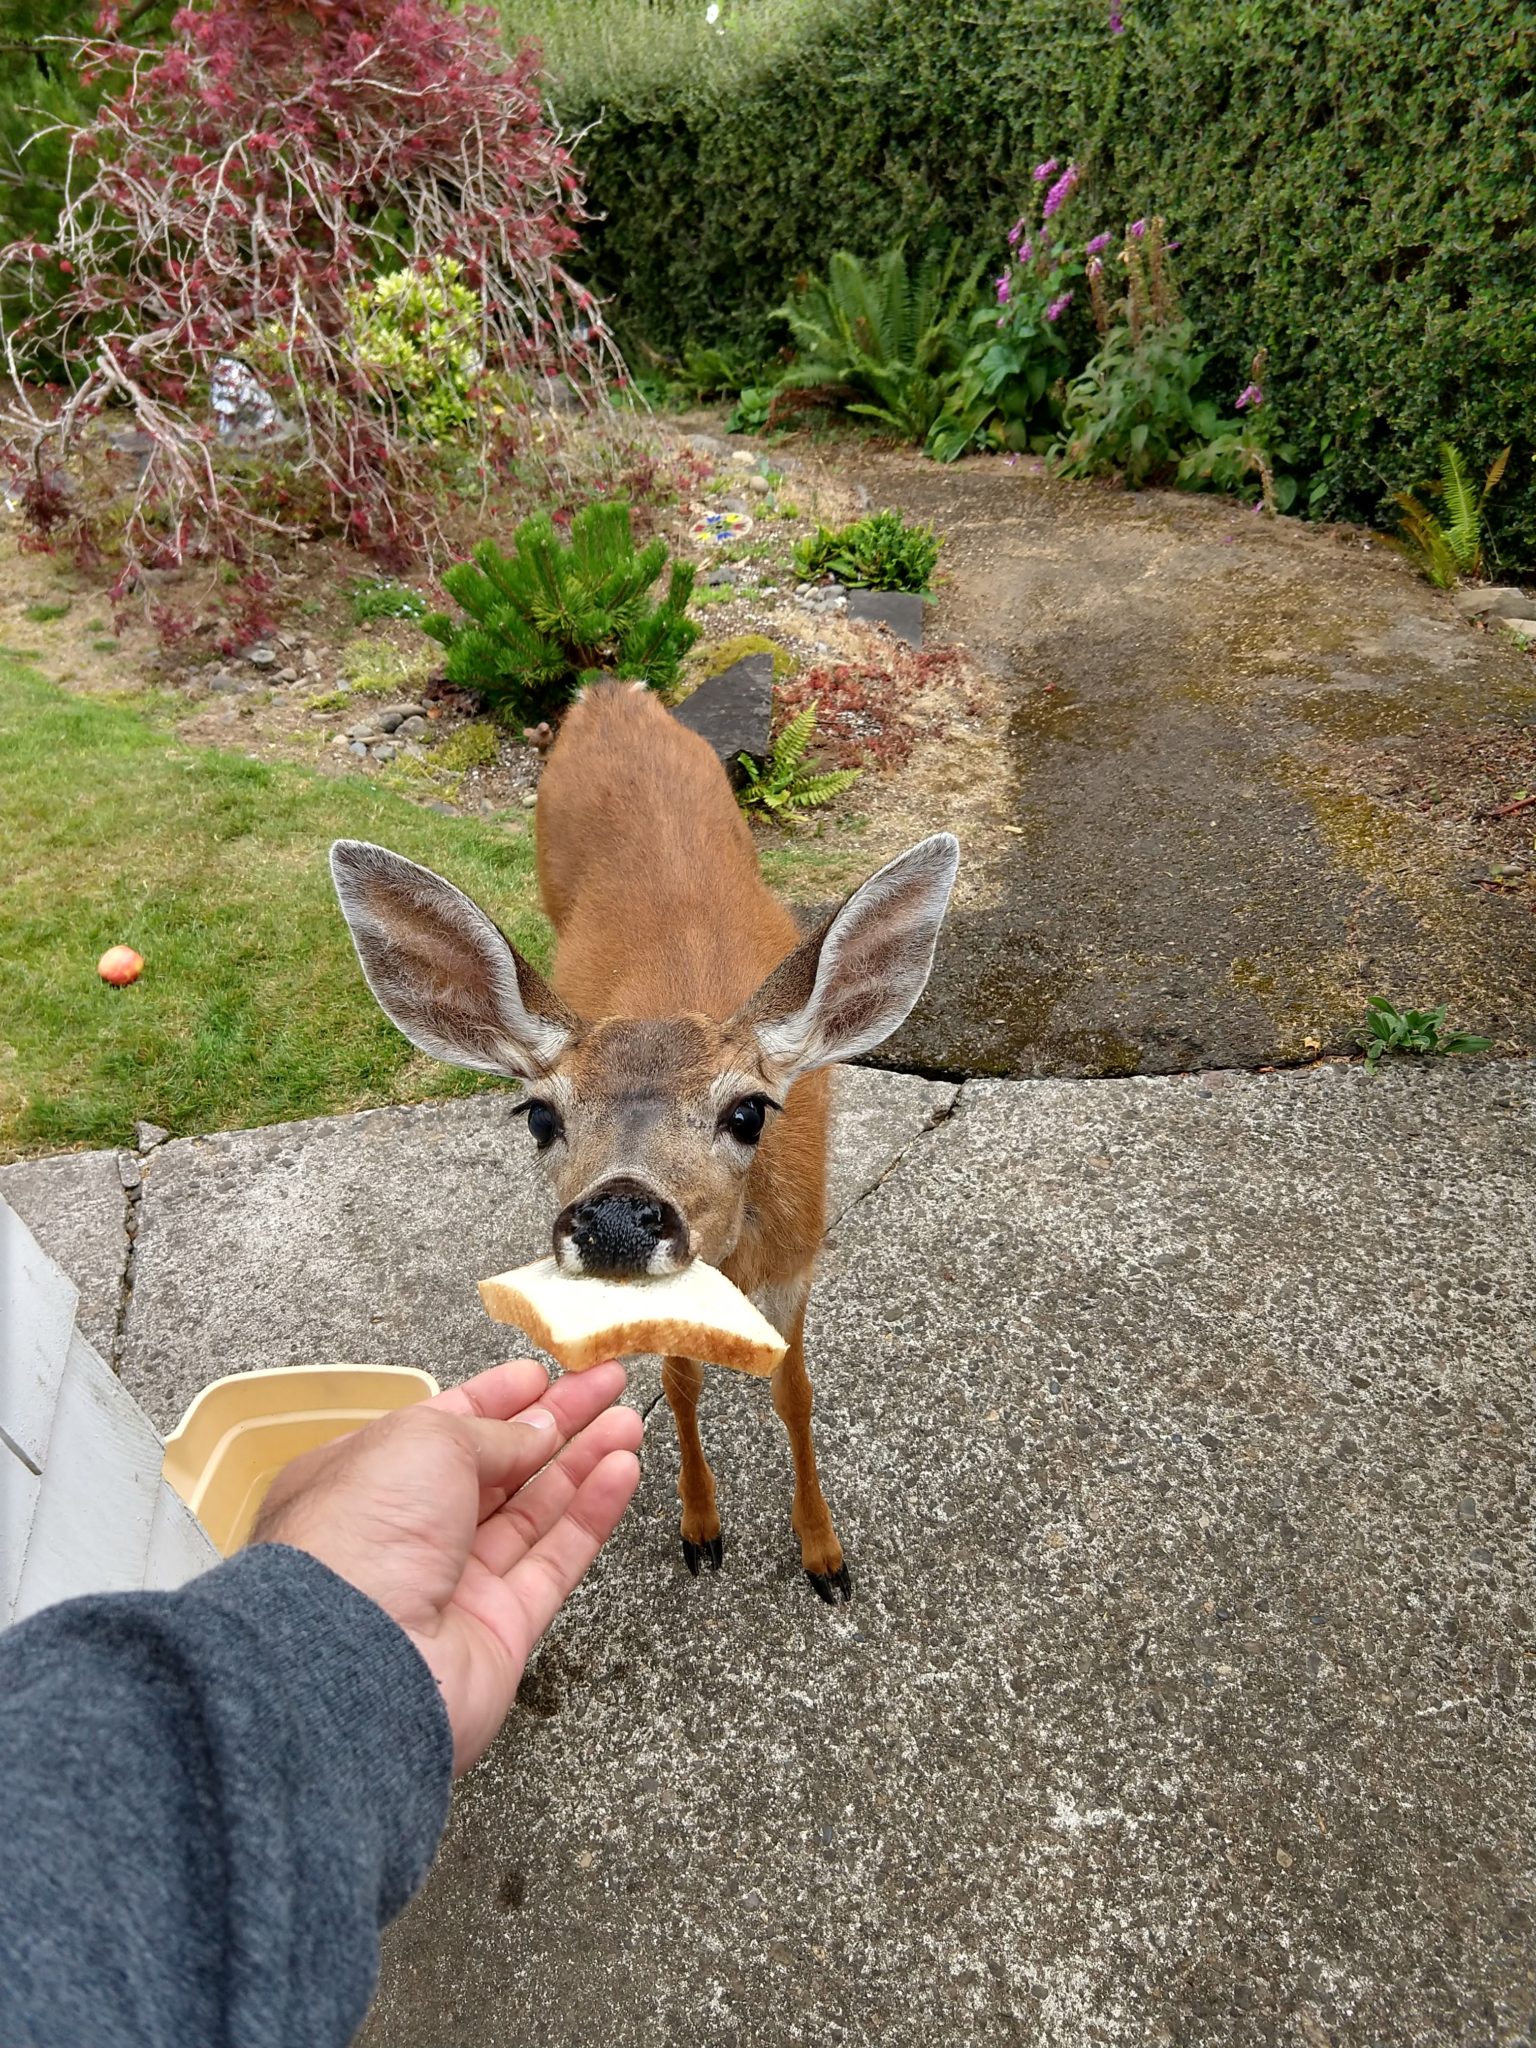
(1179, 1434)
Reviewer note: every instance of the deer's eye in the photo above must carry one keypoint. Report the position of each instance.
(745, 1121)
(544, 1123)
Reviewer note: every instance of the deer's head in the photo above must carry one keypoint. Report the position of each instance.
(648, 1127)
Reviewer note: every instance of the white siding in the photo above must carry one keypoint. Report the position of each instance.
(83, 1508)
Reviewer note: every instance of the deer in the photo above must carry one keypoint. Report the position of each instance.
(675, 1064)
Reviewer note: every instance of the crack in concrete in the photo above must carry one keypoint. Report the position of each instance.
(936, 1122)
(133, 1195)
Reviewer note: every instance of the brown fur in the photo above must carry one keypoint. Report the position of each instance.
(650, 877)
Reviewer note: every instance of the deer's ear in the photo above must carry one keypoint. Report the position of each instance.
(848, 986)
(441, 970)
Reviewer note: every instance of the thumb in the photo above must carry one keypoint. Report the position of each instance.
(509, 1453)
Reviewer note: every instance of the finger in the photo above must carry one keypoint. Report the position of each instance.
(544, 1580)
(576, 1397)
(509, 1534)
(498, 1393)
(507, 1454)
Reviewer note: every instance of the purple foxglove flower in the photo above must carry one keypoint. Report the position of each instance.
(1004, 287)
(1057, 307)
(1116, 22)
(1046, 170)
(1138, 228)
(1027, 253)
(1060, 192)
(1099, 242)
(1014, 233)
(1250, 395)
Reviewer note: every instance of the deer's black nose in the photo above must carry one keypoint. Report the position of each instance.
(618, 1233)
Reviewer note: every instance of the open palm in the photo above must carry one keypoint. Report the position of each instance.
(469, 1519)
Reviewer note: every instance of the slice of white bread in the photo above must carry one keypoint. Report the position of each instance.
(582, 1320)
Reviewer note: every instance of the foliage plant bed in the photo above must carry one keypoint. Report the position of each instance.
(1350, 185)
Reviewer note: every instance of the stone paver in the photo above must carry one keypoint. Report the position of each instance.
(1179, 1433)
(75, 1206)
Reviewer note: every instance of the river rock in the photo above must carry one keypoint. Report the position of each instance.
(1495, 601)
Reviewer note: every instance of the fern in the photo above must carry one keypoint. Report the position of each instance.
(1446, 549)
(893, 336)
(879, 552)
(785, 784)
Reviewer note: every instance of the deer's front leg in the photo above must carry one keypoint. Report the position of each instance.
(682, 1380)
(820, 1551)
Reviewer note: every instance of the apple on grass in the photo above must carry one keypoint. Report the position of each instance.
(120, 965)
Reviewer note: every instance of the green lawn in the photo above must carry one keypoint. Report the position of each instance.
(251, 1007)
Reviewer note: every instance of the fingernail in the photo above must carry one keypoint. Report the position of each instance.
(537, 1418)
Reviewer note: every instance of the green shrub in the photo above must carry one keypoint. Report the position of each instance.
(419, 337)
(1350, 184)
(472, 746)
(554, 614)
(878, 552)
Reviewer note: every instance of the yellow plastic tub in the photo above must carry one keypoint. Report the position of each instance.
(240, 1432)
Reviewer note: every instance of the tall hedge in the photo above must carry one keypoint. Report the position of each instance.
(1353, 181)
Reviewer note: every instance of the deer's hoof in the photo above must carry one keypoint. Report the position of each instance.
(832, 1586)
(710, 1553)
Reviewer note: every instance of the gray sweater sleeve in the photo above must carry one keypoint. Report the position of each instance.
(210, 1803)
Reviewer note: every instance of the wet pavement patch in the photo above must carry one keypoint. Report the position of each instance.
(1198, 864)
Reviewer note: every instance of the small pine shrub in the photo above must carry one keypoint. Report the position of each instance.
(554, 614)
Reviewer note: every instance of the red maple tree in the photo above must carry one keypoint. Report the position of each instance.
(233, 193)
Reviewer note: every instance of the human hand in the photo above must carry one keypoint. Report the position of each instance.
(457, 1517)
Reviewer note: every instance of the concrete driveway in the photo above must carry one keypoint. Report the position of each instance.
(1178, 1431)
